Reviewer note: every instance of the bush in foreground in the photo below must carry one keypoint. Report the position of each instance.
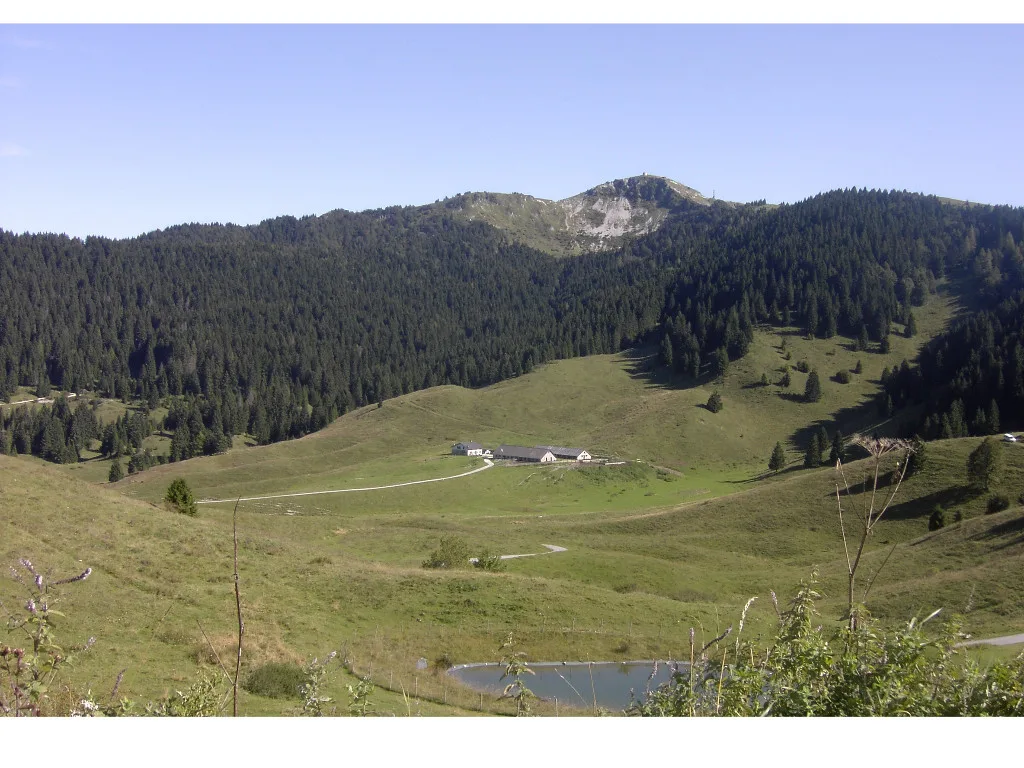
(812, 670)
(276, 680)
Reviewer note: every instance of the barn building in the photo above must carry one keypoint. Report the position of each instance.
(575, 454)
(519, 453)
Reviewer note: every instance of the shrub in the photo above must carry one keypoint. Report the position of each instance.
(843, 377)
(859, 368)
(803, 367)
(812, 669)
(715, 402)
(938, 519)
(487, 562)
(786, 380)
(453, 553)
(997, 502)
(179, 496)
(276, 680)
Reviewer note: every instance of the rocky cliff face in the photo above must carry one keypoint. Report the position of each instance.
(595, 220)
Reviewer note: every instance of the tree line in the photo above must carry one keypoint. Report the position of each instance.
(278, 328)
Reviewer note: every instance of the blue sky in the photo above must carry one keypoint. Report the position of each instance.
(118, 130)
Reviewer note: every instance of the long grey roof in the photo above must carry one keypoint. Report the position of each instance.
(471, 446)
(519, 452)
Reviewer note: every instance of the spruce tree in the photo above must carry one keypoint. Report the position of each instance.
(823, 441)
(911, 328)
(993, 418)
(778, 459)
(836, 453)
(813, 456)
(116, 471)
(812, 390)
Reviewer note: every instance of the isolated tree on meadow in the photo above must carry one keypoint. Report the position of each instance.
(778, 459)
(179, 496)
(812, 390)
(983, 464)
(116, 472)
(715, 402)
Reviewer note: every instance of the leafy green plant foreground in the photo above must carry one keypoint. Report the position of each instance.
(864, 671)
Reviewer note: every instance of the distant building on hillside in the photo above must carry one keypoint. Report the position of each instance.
(468, 449)
(519, 453)
(576, 454)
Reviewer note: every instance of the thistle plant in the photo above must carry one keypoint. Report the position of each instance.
(313, 700)
(515, 667)
(28, 673)
(359, 697)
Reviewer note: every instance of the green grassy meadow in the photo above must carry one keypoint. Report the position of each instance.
(679, 535)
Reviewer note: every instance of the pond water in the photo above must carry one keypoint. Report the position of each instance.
(573, 684)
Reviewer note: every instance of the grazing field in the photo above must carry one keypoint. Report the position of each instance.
(679, 533)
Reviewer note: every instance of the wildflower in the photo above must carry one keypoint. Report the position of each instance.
(39, 581)
(30, 606)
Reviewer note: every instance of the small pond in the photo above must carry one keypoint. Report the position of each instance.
(609, 682)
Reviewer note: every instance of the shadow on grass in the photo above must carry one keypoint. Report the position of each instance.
(1013, 527)
(923, 506)
(644, 363)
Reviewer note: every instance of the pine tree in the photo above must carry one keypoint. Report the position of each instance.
(719, 363)
(918, 457)
(993, 418)
(116, 472)
(859, 368)
(778, 459)
(666, 351)
(911, 330)
(836, 453)
(813, 456)
(812, 390)
(823, 442)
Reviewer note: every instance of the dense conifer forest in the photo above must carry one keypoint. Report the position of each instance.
(276, 329)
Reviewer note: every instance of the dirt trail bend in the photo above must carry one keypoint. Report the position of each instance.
(487, 465)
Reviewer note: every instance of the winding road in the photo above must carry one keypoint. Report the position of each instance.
(487, 465)
(1004, 640)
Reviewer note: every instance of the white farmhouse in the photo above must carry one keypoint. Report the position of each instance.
(468, 449)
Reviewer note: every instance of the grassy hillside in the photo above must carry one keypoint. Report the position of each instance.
(681, 534)
(317, 577)
(619, 406)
